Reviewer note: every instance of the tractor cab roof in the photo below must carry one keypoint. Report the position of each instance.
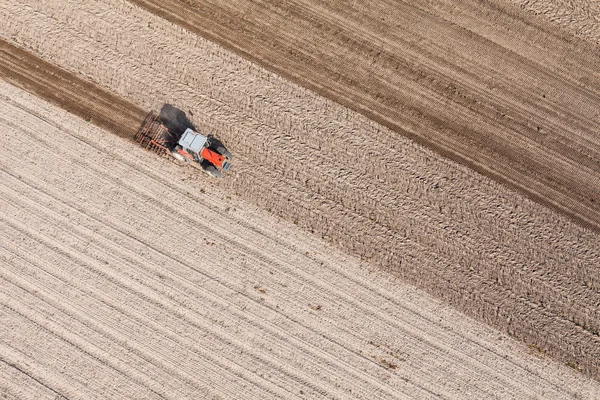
(192, 141)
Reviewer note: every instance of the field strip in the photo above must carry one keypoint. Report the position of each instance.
(477, 82)
(481, 247)
(90, 278)
(33, 366)
(77, 95)
(18, 384)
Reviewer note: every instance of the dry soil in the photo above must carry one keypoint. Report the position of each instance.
(481, 82)
(124, 277)
(480, 246)
(579, 17)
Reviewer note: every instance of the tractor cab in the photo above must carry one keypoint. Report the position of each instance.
(193, 142)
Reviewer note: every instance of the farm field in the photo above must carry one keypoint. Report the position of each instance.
(364, 187)
(579, 18)
(480, 82)
(104, 296)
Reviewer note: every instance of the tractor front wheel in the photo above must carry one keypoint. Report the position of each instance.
(213, 171)
(224, 152)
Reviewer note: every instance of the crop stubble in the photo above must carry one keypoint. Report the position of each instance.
(102, 301)
(470, 241)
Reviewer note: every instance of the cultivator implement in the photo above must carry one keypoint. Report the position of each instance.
(154, 136)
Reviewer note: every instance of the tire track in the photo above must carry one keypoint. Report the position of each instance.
(31, 367)
(18, 384)
(37, 344)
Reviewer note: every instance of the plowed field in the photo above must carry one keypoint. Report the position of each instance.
(121, 278)
(366, 189)
(486, 85)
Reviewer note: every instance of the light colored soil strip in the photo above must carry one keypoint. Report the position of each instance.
(579, 17)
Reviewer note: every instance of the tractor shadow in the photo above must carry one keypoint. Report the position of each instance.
(175, 120)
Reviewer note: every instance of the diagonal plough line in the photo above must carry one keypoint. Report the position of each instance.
(447, 99)
(449, 267)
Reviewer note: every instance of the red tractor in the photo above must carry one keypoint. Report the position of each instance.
(190, 146)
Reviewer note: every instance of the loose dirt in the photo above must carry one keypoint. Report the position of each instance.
(368, 190)
(78, 96)
(124, 276)
(579, 17)
(480, 82)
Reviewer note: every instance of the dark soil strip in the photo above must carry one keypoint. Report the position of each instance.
(69, 91)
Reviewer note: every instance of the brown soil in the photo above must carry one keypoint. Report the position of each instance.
(476, 244)
(477, 82)
(69, 91)
(121, 279)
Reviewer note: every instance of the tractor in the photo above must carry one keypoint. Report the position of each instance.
(188, 147)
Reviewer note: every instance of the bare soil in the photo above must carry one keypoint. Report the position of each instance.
(125, 277)
(478, 245)
(479, 82)
(80, 97)
(578, 17)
